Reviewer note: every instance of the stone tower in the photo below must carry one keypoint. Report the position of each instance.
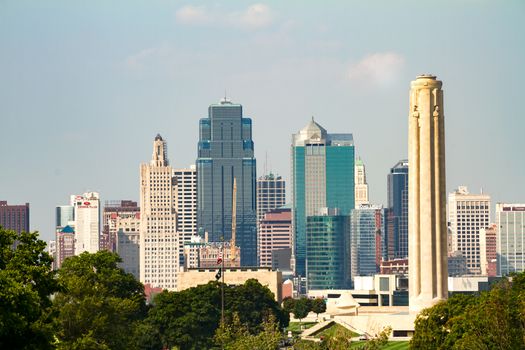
(427, 248)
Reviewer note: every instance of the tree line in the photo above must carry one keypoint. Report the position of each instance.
(91, 303)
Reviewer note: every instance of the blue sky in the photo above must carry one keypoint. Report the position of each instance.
(86, 85)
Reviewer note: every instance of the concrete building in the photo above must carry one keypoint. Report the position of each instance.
(160, 243)
(113, 212)
(271, 194)
(426, 192)
(127, 226)
(397, 213)
(234, 276)
(186, 202)
(198, 253)
(361, 186)
(394, 267)
(488, 251)
(322, 177)
(327, 250)
(87, 222)
(225, 152)
(510, 222)
(65, 245)
(275, 233)
(14, 217)
(457, 264)
(468, 213)
(367, 224)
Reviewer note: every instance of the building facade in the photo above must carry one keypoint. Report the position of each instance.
(113, 212)
(489, 251)
(361, 186)
(327, 251)
(225, 152)
(510, 222)
(271, 194)
(275, 233)
(468, 214)
(187, 202)
(160, 244)
(14, 217)
(87, 222)
(65, 245)
(397, 213)
(128, 242)
(367, 225)
(65, 214)
(322, 177)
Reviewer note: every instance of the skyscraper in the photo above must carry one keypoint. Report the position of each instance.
(225, 152)
(65, 214)
(187, 202)
(367, 227)
(275, 233)
(327, 250)
(322, 177)
(87, 222)
(65, 245)
(468, 213)
(271, 194)
(427, 247)
(160, 245)
(510, 222)
(397, 213)
(488, 238)
(14, 217)
(361, 186)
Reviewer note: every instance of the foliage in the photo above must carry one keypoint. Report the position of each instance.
(236, 336)
(288, 304)
(318, 306)
(379, 341)
(99, 305)
(301, 308)
(26, 283)
(188, 319)
(494, 319)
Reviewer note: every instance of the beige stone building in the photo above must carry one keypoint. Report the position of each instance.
(160, 244)
(234, 276)
(361, 186)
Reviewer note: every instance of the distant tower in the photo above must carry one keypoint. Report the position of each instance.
(225, 152)
(160, 244)
(87, 222)
(361, 187)
(427, 207)
(397, 213)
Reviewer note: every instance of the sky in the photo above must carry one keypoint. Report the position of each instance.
(86, 85)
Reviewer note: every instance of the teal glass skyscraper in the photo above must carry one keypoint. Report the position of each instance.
(322, 177)
(225, 152)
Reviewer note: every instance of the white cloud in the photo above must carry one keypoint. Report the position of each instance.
(378, 68)
(254, 17)
(193, 15)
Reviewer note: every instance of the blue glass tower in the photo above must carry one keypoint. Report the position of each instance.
(322, 177)
(226, 152)
(397, 214)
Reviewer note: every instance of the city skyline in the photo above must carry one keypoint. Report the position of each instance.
(110, 96)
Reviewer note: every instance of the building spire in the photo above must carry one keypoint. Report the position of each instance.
(160, 152)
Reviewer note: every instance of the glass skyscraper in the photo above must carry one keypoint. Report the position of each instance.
(322, 177)
(225, 152)
(328, 251)
(397, 213)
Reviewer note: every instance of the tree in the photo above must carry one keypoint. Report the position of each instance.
(100, 305)
(288, 304)
(26, 283)
(187, 319)
(318, 306)
(235, 335)
(301, 308)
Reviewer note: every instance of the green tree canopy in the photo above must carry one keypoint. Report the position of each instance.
(301, 308)
(318, 306)
(26, 283)
(100, 305)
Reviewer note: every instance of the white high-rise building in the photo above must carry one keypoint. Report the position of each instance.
(468, 214)
(159, 241)
(186, 202)
(361, 187)
(87, 222)
(271, 194)
(510, 222)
